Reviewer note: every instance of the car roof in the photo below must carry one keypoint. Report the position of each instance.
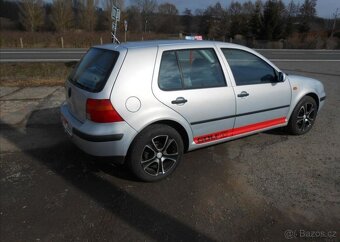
(159, 43)
(149, 44)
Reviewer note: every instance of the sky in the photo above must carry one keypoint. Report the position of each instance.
(325, 8)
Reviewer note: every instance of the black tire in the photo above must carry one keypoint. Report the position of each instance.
(303, 116)
(155, 153)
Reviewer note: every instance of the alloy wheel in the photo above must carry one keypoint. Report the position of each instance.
(305, 117)
(159, 155)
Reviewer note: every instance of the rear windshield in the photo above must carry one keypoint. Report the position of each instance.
(94, 69)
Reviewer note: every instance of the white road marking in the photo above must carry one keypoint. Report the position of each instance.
(293, 50)
(301, 60)
(42, 52)
(67, 60)
(37, 60)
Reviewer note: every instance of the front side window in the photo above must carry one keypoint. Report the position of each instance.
(93, 70)
(190, 69)
(248, 69)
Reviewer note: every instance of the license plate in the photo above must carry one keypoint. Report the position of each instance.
(67, 127)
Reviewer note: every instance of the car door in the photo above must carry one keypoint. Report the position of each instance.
(262, 101)
(192, 83)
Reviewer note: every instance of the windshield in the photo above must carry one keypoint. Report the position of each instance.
(94, 69)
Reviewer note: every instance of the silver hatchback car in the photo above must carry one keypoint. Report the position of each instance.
(149, 102)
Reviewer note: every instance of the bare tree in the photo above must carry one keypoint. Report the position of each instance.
(215, 21)
(307, 13)
(308, 8)
(236, 23)
(334, 22)
(62, 14)
(273, 19)
(292, 10)
(248, 8)
(89, 14)
(187, 20)
(167, 9)
(118, 3)
(147, 9)
(32, 14)
(256, 20)
(167, 21)
(146, 6)
(134, 19)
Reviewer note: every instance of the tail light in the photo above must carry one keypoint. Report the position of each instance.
(101, 111)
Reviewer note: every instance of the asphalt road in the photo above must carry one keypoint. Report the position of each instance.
(41, 55)
(266, 187)
(64, 55)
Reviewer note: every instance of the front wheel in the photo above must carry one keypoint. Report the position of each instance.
(155, 152)
(303, 116)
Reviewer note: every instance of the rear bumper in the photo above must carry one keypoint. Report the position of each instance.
(98, 139)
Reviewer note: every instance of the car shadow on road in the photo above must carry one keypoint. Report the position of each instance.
(278, 131)
(83, 172)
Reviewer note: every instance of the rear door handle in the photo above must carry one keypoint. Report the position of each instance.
(179, 100)
(243, 94)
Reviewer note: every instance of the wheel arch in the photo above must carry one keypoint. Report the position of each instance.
(315, 97)
(179, 128)
(298, 98)
(291, 126)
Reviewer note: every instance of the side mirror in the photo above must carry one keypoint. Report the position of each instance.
(281, 77)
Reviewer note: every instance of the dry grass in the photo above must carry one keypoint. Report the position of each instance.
(81, 39)
(33, 74)
(11, 39)
(31, 83)
(312, 40)
(74, 39)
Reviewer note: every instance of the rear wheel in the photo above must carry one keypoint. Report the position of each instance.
(155, 153)
(303, 116)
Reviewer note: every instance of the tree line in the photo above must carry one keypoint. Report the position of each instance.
(262, 19)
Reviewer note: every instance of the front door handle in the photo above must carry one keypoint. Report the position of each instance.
(179, 100)
(243, 94)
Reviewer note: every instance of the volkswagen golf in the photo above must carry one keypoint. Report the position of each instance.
(149, 102)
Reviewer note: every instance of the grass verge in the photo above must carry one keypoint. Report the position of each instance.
(33, 74)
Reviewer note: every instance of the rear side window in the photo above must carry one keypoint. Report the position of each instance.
(94, 69)
(190, 69)
(248, 69)
(169, 74)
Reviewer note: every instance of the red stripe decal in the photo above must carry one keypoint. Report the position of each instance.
(236, 131)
